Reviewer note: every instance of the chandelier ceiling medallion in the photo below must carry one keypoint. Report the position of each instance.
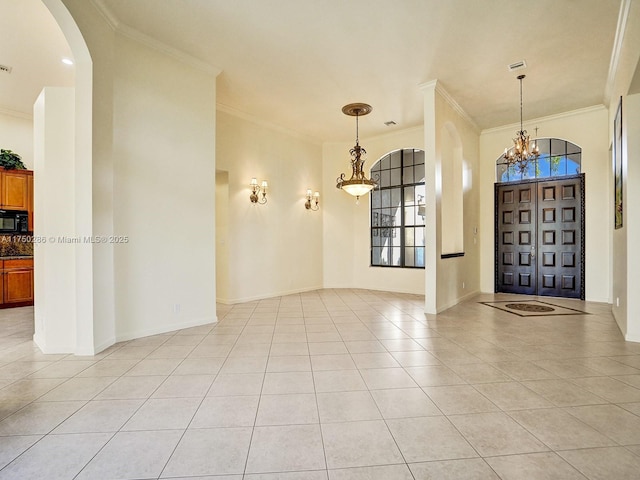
(358, 184)
(523, 150)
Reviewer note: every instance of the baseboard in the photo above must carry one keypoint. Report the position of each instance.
(172, 327)
(632, 337)
(457, 301)
(233, 301)
(51, 349)
(82, 352)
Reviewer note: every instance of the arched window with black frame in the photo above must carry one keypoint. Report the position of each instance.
(398, 210)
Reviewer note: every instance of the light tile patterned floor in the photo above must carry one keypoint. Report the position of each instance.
(331, 385)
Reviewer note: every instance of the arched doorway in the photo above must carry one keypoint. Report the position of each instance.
(73, 326)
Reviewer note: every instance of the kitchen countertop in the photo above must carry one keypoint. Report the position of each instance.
(17, 257)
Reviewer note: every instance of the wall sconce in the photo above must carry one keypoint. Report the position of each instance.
(312, 201)
(258, 193)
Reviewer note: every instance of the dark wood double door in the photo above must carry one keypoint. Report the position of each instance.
(540, 237)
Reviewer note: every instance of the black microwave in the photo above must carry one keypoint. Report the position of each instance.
(14, 221)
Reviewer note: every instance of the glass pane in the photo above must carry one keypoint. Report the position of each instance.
(514, 174)
(418, 173)
(395, 256)
(384, 163)
(419, 237)
(572, 148)
(396, 159)
(409, 193)
(395, 177)
(397, 220)
(376, 241)
(419, 216)
(544, 146)
(554, 165)
(562, 166)
(407, 157)
(408, 175)
(419, 256)
(376, 256)
(502, 173)
(394, 239)
(376, 166)
(385, 178)
(558, 147)
(573, 164)
(410, 215)
(386, 197)
(408, 236)
(530, 171)
(409, 260)
(375, 218)
(418, 157)
(543, 166)
(376, 199)
(395, 197)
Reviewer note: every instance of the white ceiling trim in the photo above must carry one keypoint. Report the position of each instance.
(435, 84)
(264, 123)
(137, 36)
(623, 16)
(580, 111)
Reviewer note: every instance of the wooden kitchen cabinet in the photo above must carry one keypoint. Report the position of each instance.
(14, 189)
(30, 200)
(17, 282)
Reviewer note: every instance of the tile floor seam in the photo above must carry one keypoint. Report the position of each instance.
(255, 418)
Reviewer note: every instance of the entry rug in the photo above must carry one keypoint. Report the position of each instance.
(533, 308)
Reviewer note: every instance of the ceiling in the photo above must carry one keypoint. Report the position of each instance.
(295, 63)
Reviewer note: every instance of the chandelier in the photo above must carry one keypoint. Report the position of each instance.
(523, 150)
(358, 184)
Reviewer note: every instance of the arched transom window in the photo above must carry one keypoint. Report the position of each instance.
(557, 158)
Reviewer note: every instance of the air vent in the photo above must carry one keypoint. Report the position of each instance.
(5, 69)
(517, 66)
(390, 123)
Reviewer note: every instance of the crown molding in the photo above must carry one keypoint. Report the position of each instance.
(264, 123)
(106, 14)
(125, 30)
(437, 86)
(557, 116)
(621, 28)
(15, 113)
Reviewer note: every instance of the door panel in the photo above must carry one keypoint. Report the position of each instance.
(516, 268)
(540, 237)
(559, 238)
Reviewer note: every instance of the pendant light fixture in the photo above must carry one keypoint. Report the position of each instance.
(358, 184)
(523, 151)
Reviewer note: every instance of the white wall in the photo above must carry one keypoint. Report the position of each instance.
(586, 128)
(16, 134)
(222, 235)
(626, 259)
(54, 258)
(631, 201)
(453, 279)
(140, 113)
(273, 249)
(163, 192)
(347, 242)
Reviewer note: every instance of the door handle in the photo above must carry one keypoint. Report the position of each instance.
(533, 251)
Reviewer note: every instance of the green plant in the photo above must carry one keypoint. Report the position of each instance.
(10, 160)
